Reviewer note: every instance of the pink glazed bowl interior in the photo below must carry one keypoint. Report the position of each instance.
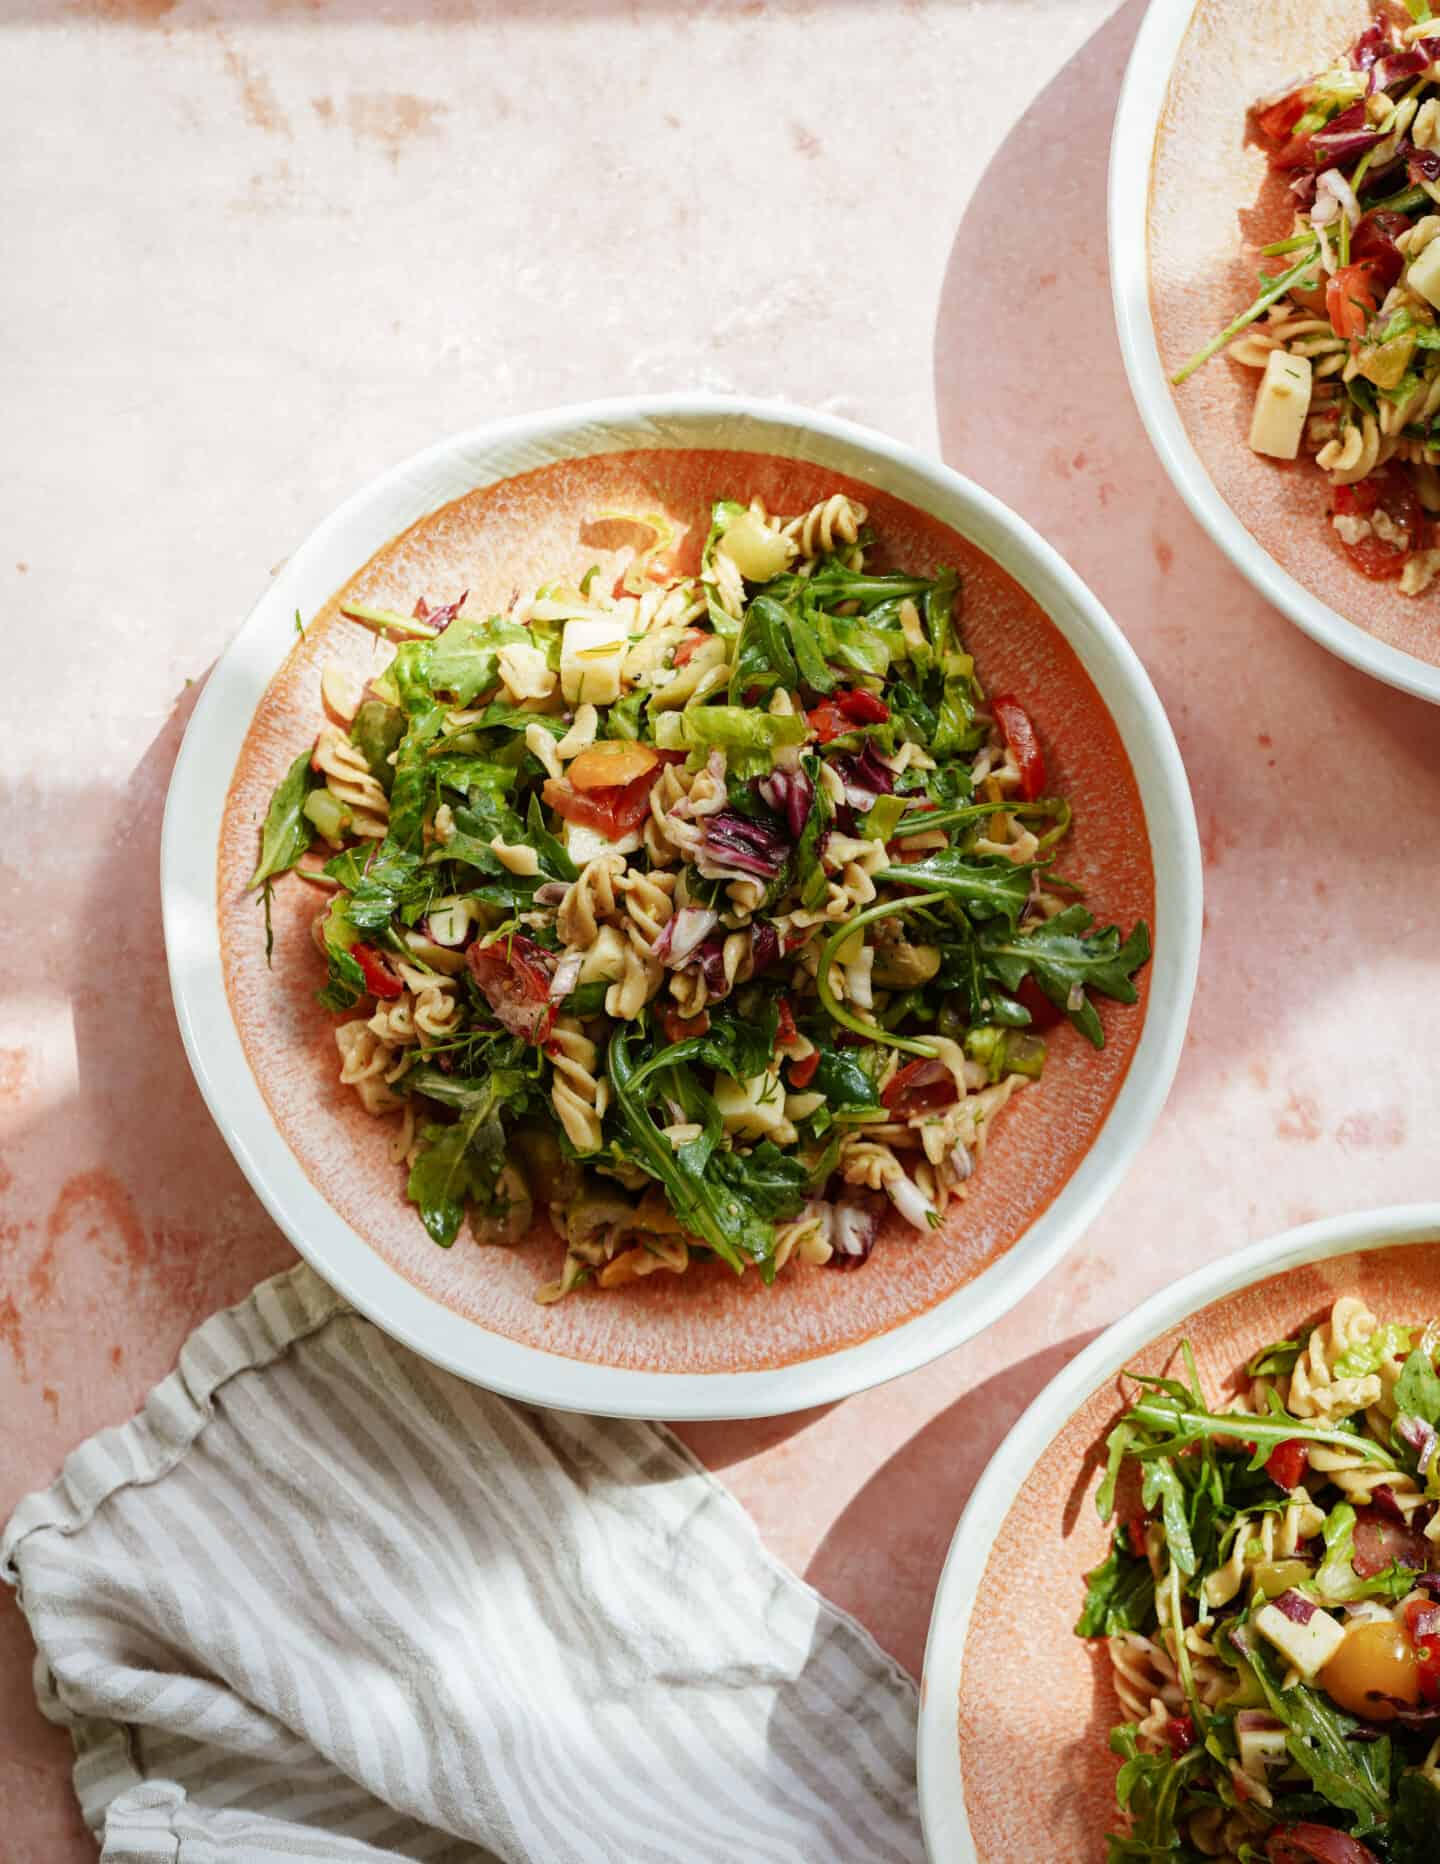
(1213, 204)
(512, 536)
(1036, 1703)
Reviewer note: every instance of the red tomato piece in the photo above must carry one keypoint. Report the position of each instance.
(1352, 296)
(1422, 1619)
(686, 649)
(1391, 493)
(514, 975)
(1276, 124)
(785, 1030)
(827, 721)
(680, 1028)
(802, 1072)
(610, 812)
(380, 980)
(1287, 1463)
(1019, 734)
(923, 1086)
(1316, 1844)
(1043, 1013)
(862, 707)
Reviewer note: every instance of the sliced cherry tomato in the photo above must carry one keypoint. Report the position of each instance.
(610, 812)
(380, 980)
(1316, 1844)
(1288, 1462)
(1374, 242)
(802, 1072)
(1043, 1013)
(785, 1031)
(1180, 1734)
(610, 764)
(1289, 148)
(862, 707)
(680, 1028)
(514, 974)
(687, 647)
(1422, 1618)
(1019, 734)
(919, 1087)
(827, 721)
(1391, 493)
(1352, 296)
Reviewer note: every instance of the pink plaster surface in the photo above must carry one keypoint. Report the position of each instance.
(253, 261)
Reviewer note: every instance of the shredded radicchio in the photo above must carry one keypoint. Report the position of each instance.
(764, 947)
(864, 770)
(439, 618)
(789, 793)
(1395, 67)
(1422, 164)
(1296, 1607)
(747, 846)
(1344, 137)
(1383, 1501)
(1373, 43)
(1418, 1434)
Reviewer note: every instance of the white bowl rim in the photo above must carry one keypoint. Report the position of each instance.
(942, 1786)
(1132, 152)
(189, 845)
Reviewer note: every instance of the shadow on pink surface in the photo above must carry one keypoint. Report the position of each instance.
(882, 1556)
(1294, 758)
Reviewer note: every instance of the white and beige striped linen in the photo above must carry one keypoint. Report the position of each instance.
(320, 1600)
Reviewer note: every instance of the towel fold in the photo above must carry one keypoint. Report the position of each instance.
(322, 1600)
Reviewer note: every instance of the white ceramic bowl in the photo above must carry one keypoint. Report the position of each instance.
(1138, 118)
(213, 742)
(1063, 1553)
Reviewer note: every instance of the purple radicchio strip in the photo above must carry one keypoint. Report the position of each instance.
(749, 846)
(864, 770)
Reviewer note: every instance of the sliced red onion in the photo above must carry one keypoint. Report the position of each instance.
(1295, 1606)
(856, 1226)
(684, 934)
(961, 1163)
(1334, 196)
(1383, 1501)
(1249, 1719)
(551, 894)
(1418, 1434)
(439, 618)
(911, 1202)
(567, 975)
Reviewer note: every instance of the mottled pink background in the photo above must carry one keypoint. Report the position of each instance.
(259, 252)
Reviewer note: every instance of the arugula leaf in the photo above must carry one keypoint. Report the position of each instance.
(1278, 1359)
(1060, 960)
(729, 1201)
(1116, 1446)
(1148, 1788)
(986, 886)
(347, 981)
(555, 863)
(740, 1046)
(809, 869)
(1417, 1390)
(1120, 1594)
(842, 1077)
(1416, 1820)
(287, 833)
(463, 1160)
(464, 660)
(623, 718)
(376, 733)
(762, 653)
(808, 659)
(1162, 1483)
(1353, 1775)
(393, 881)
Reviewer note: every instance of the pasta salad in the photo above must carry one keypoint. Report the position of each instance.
(713, 913)
(1344, 329)
(1271, 1604)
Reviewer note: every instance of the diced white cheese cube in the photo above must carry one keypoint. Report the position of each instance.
(591, 652)
(584, 844)
(1261, 1748)
(1281, 405)
(750, 1109)
(1424, 273)
(1309, 1646)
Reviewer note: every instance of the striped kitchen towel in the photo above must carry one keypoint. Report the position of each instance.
(321, 1600)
